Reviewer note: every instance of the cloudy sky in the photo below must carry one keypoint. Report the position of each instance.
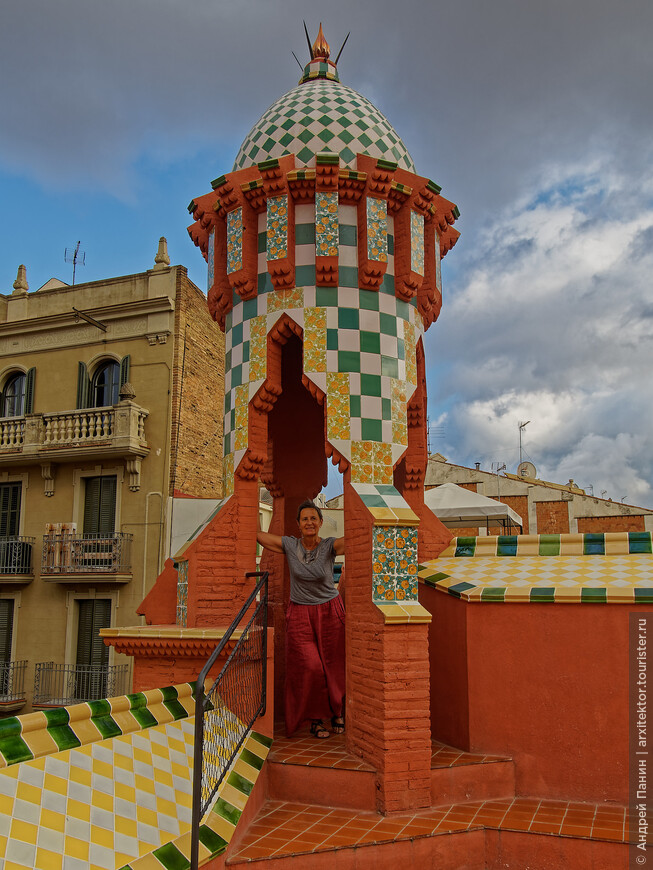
(535, 118)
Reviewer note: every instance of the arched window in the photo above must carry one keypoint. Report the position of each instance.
(17, 395)
(105, 385)
(102, 388)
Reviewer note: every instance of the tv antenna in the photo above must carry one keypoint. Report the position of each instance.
(75, 256)
(522, 426)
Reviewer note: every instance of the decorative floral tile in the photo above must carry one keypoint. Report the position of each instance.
(377, 229)
(211, 261)
(416, 242)
(394, 563)
(234, 240)
(338, 419)
(410, 344)
(315, 322)
(182, 593)
(362, 462)
(242, 417)
(382, 462)
(228, 466)
(399, 422)
(326, 224)
(277, 227)
(258, 347)
(285, 299)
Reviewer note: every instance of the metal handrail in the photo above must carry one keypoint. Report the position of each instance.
(12, 681)
(59, 685)
(16, 554)
(82, 554)
(204, 703)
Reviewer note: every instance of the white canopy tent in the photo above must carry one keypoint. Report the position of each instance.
(461, 508)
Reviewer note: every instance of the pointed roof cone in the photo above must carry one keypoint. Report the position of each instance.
(321, 48)
(20, 284)
(162, 260)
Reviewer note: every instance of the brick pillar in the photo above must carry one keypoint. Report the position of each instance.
(388, 715)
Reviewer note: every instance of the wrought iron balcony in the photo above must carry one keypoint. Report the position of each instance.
(16, 557)
(12, 685)
(117, 430)
(70, 557)
(60, 685)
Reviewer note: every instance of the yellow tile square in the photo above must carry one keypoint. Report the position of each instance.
(78, 810)
(86, 731)
(78, 774)
(54, 821)
(126, 792)
(406, 516)
(233, 796)
(145, 862)
(166, 807)
(55, 784)
(6, 805)
(250, 773)
(144, 783)
(76, 848)
(23, 831)
(3, 846)
(40, 743)
(127, 827)
(123, 761)
(163, 777)
(101, 837)
(46, 860)
(102, 801)
(101, 768)
(126, 722)
(382, 515)
(148, 817)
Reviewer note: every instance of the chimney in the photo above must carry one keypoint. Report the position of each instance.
(478, 466)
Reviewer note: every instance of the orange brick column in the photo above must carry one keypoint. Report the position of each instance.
(388, 715)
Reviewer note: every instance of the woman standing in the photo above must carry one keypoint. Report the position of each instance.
(315, 625)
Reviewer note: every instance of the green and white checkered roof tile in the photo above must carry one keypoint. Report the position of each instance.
(323, 115)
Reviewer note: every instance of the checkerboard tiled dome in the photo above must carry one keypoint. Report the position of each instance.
(322, 115)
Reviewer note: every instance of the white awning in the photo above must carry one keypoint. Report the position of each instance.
(457, 507)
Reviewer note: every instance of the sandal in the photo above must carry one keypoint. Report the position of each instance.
(318, 730)
(338, 725)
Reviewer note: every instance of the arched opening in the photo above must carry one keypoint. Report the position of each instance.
(105, 385)
(13, 396)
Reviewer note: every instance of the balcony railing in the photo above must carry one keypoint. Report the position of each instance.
(60, 685)
(85, 554)
(12, 682)
(16, 555)
(119, 427)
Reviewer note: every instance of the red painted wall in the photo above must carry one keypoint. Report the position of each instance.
(546, 684)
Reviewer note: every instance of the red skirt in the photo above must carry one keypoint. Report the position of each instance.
(315, 662)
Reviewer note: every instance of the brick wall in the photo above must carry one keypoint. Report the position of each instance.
(196, 450)
(634, 523)
(552, 518)
(518, 503)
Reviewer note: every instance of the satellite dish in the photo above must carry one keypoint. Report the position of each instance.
(526, 469)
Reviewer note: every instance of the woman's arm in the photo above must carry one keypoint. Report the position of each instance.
(339, 546)
(270, 542)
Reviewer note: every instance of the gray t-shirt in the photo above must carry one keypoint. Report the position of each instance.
(311, 571)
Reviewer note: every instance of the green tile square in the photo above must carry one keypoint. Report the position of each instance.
(386, 409)
(368, 300)
(227, 321)
(326, 297)
(177, 709)
(388, 285)
(237, 335)
(249, 309)
(348, 276)
(589, 594)
(465, 546)
(262, 243)
(239, 782)
(349, 361)
(104, 724)
(543, 595)
(264, 283)
(401, 349)
(348, 318)
(373, 500)
(594, 544)
(458, 588)
(347, 235)
(246, 351)
(236, 376)
(387, 324)
(332, 339)
(252, 758)
(14, 750)
(549, 545)
(305, 234)
(643, 595)
(370, 342)
(391, 243)
(227, 360)
(305, 154)
(171, 858)
(639, 542)
(347, 155)
(390, 366)
(57, 717)
(305, 136)
(370, 385)
(507, 545)
(227, 811)
(354, 406)
(213, 842)
(371, 430)
(99, 708)
(305, 276)
(144, 718)
(403, 308)
(493, 593)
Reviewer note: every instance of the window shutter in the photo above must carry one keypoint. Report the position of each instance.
(100, 506)
(93, 615)
(29, 391)
(9, 509)
(124, 370)
(6, 628)
(83, 386)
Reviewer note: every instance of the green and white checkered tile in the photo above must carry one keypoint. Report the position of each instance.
(318, 116)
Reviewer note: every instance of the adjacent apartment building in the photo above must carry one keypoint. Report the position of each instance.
(110, 402)
(546, 508)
